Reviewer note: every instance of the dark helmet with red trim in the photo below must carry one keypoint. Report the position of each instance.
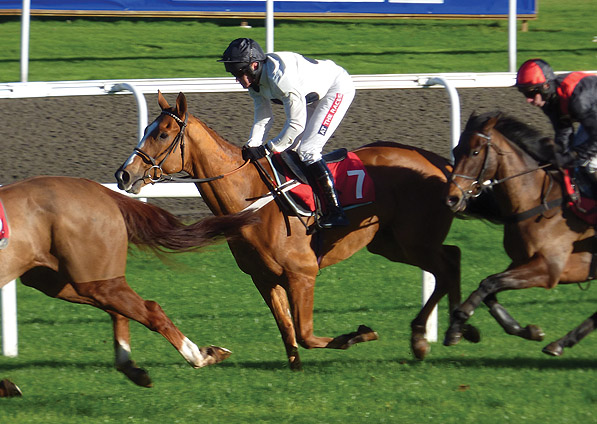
(240, 54)
(536, 76)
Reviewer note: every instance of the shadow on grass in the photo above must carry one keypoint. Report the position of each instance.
(514, 363)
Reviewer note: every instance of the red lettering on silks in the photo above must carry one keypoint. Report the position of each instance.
(330, 115)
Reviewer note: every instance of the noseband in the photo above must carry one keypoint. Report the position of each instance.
(474, 190)
(158, 173)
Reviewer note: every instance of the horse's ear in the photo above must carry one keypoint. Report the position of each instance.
(490, 123)
(162, 101)
(181, 105)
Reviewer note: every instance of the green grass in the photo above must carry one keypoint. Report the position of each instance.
(82, 49)
(65, 364)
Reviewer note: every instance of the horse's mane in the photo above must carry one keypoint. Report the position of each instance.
(529, 139)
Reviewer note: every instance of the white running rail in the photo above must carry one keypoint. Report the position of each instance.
(226, 84)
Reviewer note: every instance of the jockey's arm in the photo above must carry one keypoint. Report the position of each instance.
(295, 108)
(262, 122)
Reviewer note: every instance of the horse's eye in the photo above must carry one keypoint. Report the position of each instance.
(163, 136)
(475, 152)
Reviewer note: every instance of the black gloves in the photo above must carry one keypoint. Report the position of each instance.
(566, 160)
(254, 153)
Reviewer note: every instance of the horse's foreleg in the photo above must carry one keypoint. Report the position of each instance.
(277, 300)
(509, 324)
(115, 295)
(445, 266)
(557, 348)
(301, 291)
(532, 274)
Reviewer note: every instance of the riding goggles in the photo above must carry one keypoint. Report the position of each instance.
(530, 91)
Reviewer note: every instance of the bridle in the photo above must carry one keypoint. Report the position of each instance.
(155, 173)
(479, 183)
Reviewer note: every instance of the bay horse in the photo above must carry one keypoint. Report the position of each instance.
(69, 239)
(408, 222)
(547, 243)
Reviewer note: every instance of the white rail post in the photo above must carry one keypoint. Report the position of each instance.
(428, 280)
(9, 319)
(512, 27)
(25, 20)
(269, 26)
(141, 106)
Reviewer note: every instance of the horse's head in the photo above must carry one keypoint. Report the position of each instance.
(474, 165)
(160, 151)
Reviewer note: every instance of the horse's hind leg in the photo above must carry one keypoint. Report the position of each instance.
(122, 352)
(54, 285)
(557, 348)
(116, 295)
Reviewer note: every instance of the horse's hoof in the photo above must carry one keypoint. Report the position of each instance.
(553, 349)
(471, 333)
(364, 334)
(137, 375)
(216, 354)
(296, 364)
(420, 347)
(9, 389)
(452, 337)
(532, 332)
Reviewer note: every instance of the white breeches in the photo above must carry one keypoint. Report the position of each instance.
(323, 117)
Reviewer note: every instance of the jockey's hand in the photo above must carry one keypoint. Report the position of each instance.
(566, 160)
(254, 153)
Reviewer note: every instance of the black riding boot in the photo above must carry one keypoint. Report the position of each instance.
(322, 183)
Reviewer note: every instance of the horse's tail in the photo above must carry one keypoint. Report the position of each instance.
(153, 227)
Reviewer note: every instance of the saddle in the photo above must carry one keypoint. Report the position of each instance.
(353, 184)
(4, 231)
(581, 194)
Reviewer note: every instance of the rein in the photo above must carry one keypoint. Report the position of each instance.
(490, 183)
(158, 173)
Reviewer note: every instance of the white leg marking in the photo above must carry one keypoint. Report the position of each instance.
(192, 354)
(122, 352)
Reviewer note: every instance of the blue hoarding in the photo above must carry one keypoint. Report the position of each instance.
(281, 7)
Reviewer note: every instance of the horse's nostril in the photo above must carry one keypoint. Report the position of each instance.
(451, 201)
(122, 178)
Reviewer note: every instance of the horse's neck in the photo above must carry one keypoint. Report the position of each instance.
(209, 155)
(525, 186)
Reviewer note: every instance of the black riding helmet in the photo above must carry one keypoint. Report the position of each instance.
(240, 54)
(532, 77)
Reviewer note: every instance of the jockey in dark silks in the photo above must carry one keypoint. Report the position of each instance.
(565, 99)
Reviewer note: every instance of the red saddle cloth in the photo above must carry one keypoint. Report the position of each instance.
(353, 183)
(584, 207)
(4, 232)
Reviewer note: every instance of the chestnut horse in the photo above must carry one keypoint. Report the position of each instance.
(69, 239)
(547, 243)
(407, 222)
